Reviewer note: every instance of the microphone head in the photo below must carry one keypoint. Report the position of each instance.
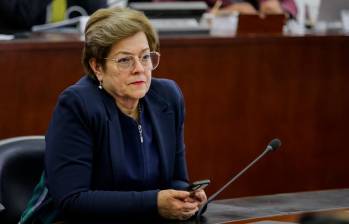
(274, 144)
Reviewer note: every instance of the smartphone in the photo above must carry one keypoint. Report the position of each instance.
(200, 184)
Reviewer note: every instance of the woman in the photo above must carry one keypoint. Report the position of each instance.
(114, 147)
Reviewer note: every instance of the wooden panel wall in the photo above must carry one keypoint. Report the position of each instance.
(240, 93)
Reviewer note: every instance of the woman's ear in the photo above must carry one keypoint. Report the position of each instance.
(96, 68)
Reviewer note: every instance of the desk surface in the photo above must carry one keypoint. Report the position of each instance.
(272, 207)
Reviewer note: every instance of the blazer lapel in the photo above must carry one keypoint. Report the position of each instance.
(164, 129)
(116, 143)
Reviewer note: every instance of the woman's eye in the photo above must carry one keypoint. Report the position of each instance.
(146, 57)
(124, 60)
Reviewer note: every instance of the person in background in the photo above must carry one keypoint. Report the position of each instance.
(17, 16)
(115, 145)
(287, 7)
(250, 6)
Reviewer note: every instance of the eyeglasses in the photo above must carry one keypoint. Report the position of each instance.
(149, 61)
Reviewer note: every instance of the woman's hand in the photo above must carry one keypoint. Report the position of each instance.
(199, 196)
(173, 204)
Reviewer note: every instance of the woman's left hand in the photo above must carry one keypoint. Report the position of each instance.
(199, 196)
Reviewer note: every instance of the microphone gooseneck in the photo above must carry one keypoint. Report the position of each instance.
(272, 146)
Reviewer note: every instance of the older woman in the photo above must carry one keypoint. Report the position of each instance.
(114, 147)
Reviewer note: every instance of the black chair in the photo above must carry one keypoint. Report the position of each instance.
(21, 165)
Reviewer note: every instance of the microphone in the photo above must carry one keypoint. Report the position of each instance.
(272, 146)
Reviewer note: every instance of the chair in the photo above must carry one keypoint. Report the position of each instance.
(21, 165)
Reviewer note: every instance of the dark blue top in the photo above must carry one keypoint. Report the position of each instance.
(141, 152)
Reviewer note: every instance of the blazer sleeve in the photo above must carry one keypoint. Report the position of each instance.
(180, 176)
(68, 166)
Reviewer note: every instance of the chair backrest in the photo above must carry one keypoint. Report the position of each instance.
(21, 165)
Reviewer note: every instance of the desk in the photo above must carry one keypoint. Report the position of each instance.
(239, 92)
(287, 208)
(281, 207)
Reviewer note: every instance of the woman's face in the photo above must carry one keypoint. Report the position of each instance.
(124, 76)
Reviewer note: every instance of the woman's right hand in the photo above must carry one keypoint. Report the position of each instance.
(173, 204)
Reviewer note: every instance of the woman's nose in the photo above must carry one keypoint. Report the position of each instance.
(138, 67)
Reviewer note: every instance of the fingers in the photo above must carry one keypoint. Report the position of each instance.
(200, 195)
(189, 206)
(174, 205)
(188, 215)
(180, 194)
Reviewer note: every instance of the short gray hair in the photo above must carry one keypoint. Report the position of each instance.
(109, 26)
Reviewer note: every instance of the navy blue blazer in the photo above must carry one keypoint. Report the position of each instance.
(84, 158)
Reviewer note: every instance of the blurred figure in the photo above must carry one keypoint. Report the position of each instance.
(250, 6)
(16, 16)
(263, 6)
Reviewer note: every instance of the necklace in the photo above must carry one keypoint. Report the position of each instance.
(139, 124)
